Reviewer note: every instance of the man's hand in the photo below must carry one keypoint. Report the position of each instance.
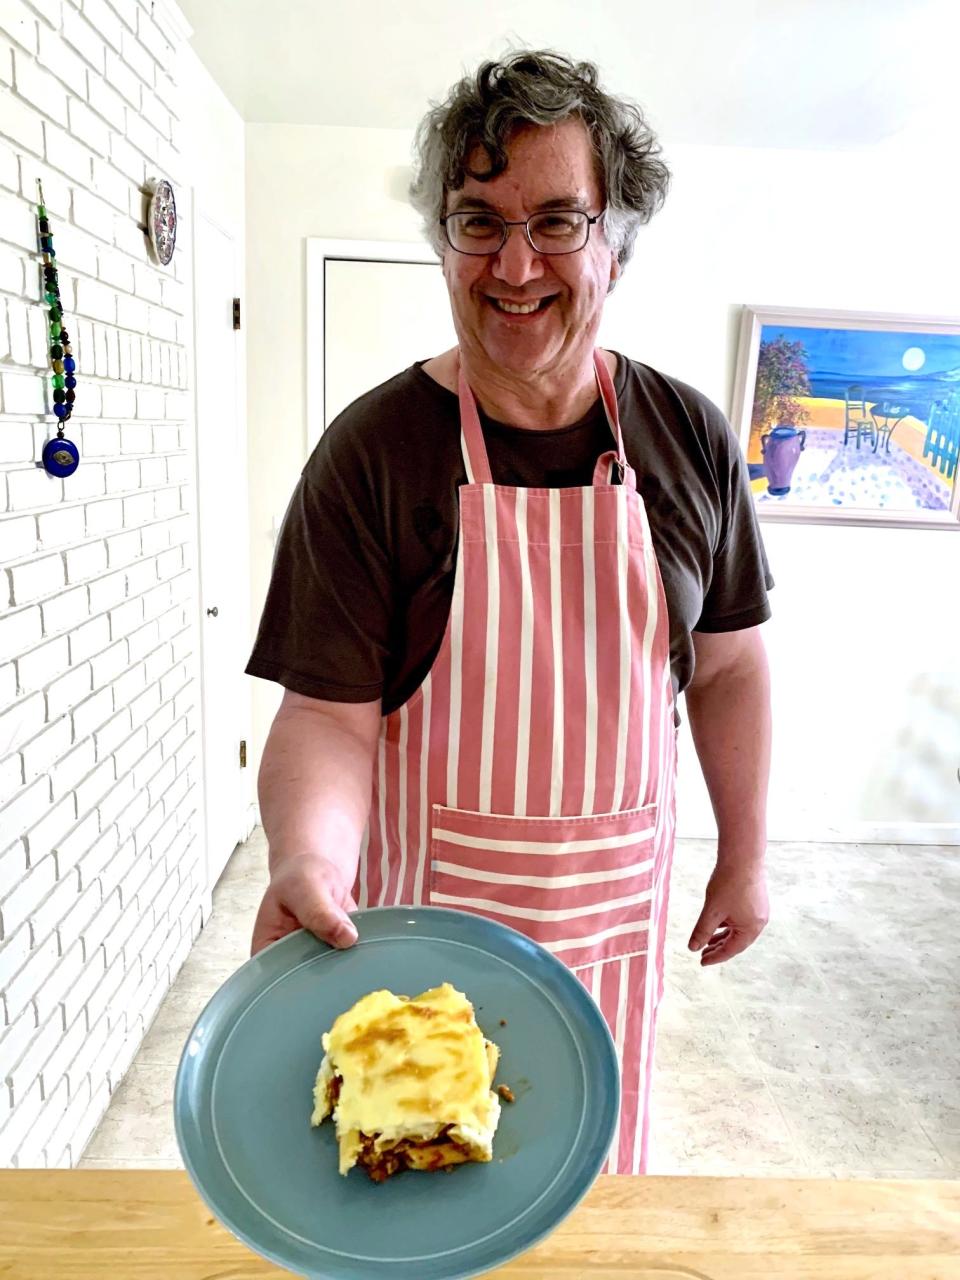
(306, 892)
(735, 912)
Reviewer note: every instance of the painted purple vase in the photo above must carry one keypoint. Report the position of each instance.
(781, 449)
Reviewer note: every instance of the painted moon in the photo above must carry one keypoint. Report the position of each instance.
(913, 359)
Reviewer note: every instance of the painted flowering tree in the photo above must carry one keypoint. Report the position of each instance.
(782, 376)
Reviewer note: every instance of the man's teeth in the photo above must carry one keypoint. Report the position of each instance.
(517, 308)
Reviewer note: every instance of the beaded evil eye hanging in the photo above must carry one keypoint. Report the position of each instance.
(61, 457)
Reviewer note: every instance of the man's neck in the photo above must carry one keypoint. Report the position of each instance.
(532, 404)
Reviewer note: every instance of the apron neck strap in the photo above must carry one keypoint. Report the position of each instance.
(475, 452)
(615, 461)
(471, 433)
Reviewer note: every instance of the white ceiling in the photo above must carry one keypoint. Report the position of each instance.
(786, 73)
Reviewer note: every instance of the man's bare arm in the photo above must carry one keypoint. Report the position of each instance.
(728, 703)
(314, 789)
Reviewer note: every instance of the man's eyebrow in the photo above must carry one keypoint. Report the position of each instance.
(462, 202)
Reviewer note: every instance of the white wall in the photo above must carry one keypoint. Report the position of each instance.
(864, 637)
(101, 873)
(866, 620)
(214, 157)
(213, 145)
(301, 181)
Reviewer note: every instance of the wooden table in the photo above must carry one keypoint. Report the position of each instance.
(151, 1225)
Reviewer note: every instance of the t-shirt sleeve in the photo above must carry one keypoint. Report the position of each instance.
(737, 594)
(326, 622)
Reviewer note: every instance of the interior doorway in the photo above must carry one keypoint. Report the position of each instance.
(222, 505)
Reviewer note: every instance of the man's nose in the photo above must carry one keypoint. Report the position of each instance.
(518, 261)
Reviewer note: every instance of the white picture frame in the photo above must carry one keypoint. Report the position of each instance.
(876, 434)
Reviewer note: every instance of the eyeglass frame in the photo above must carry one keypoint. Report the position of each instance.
(523, 222)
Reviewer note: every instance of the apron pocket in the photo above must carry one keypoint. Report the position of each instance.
(580, 887)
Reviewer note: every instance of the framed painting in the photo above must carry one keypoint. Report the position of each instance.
(850, 418)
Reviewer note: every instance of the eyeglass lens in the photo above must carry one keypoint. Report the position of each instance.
(553, 231)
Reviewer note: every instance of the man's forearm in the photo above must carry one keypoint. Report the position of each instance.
(315, 785)
(730, 722)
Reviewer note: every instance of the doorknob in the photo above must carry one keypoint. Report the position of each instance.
(213, 613)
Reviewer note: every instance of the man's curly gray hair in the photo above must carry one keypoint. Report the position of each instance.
(538, 87)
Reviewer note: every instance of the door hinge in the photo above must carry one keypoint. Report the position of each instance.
(236, 313)
(243, 753)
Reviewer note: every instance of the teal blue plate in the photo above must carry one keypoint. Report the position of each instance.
(244, 1095)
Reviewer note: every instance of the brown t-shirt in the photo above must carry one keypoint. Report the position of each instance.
(363, 573)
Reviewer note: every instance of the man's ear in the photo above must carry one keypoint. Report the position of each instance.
(615, 272)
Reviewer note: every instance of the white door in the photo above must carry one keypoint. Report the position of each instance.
(223, 561)
(379, 318)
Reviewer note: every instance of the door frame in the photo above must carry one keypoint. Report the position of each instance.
(319, 250)
(241, 604)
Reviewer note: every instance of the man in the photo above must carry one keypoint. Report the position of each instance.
(497, 572)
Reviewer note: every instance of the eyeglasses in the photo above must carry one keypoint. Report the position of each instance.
(553, 231)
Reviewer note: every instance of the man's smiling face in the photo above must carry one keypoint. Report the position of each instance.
(546, 167)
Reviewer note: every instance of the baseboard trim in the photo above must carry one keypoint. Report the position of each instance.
(251, 820)
(946, 833)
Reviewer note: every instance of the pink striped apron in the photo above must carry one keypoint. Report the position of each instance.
(531, 776)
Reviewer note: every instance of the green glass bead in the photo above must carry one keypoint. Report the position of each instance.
(58, 366)
(41, 211)
(58, 381)
(50, 297)
(55, 313)
(55, 329)
(56, 352)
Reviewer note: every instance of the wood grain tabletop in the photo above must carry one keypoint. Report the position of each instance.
(137, 1224)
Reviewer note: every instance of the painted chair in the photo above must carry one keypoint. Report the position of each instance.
(942, 443)
(856, 417)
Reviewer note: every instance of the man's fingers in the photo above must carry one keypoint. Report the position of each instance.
(344, 934)
(316, 911)
(704, 929)
(732, 944)
(718, 939)
(328, 921)
(272, 924)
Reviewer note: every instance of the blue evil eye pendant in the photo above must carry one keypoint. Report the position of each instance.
(61, 457)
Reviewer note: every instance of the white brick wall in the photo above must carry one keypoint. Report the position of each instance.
(100, 870)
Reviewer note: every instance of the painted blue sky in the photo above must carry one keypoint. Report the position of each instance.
(870, 353)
